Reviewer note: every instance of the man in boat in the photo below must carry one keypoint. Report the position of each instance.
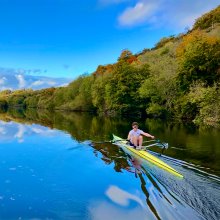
(135, 136)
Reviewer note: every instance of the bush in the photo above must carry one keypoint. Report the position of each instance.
(156, 110)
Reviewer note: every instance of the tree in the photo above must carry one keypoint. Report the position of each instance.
(122, 88)
(199, 59)
(125, 55)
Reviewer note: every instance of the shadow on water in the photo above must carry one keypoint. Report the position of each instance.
(196, 150)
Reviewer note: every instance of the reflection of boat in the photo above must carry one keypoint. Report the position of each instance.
(145, 155)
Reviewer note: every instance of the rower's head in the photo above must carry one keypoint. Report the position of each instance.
(135, 125)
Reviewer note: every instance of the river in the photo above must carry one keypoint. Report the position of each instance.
(62, 165)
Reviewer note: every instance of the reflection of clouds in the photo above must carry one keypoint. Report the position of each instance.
(121, 197)
(106, 210)
(20, 133)
(2, 130)
(159, 203)
(37, 130)
(13, 130)
(43, 131)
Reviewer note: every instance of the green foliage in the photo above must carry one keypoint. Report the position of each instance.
(208, 20)
(5, 92)
(60, 96)
(184, 109)
(79, 95)
(207, 100)
(160, 88)
(178, 77)
(3, 104)
(156, 110)
(122, 88)
(164, 41)
(98, 90)
(199, 59)
(164, 51)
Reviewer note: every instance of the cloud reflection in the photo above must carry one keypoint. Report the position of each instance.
(20, 133)
(121, 197)
(119, 207)
(15, 131)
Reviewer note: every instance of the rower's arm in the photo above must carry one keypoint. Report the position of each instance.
(129, 137)
(148, 135)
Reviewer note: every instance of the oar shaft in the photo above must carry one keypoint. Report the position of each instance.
(150, 145)
(148, 141)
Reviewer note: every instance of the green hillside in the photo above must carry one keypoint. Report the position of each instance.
(177, 78)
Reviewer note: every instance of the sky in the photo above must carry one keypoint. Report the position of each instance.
(67, 38)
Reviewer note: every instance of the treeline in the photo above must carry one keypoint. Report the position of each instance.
(178, 78)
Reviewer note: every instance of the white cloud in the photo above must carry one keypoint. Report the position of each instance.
(64, 85)
(5, 88)
(137, 14)
(170, 14)
(51, 83)
(2, 80)
(45, 82)
(15, 79)
(37, 83)
(21, 81)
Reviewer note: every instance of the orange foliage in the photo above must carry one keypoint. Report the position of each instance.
(131, 59)
(194, 37)
(103, 69)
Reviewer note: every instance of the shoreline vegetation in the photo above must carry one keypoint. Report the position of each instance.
(178, 78)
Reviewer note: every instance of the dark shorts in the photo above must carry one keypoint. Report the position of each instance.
(131, 144)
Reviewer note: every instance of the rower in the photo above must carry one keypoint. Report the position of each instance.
(135, 136)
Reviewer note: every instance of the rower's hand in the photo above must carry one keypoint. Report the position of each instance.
(152, 137)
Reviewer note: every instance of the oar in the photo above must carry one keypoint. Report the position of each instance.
(103, 142)
(164, 146)
(150, 145)
(148, 141)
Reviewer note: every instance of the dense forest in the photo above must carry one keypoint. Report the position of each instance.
(178, 78)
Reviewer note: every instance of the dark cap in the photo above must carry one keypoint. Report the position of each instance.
(134, 123)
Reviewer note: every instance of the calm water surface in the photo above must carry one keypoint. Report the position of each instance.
(58, 166)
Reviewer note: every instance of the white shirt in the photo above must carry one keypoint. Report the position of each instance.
(136, 133)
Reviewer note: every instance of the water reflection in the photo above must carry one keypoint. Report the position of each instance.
(16, 131)
(136, 190)
(198, 146)
(167, 197)
(122, 197)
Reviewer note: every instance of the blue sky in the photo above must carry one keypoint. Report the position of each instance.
(66, 38)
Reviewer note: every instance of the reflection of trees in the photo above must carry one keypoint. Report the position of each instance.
(111, 154)
(84, 126)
